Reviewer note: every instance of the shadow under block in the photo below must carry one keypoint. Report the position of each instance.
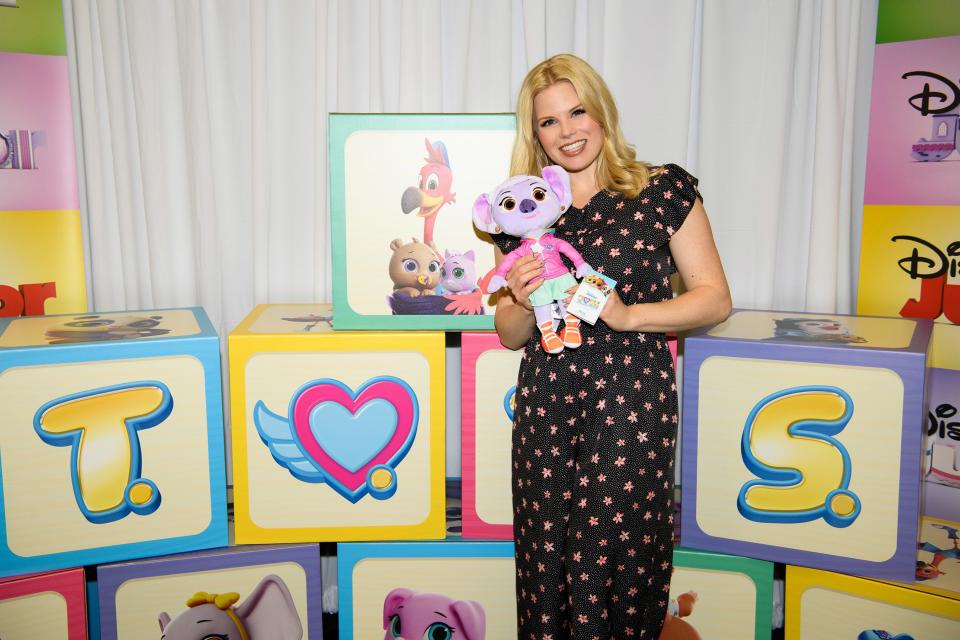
(821, 604)
(733, 594)
(802, 440)
(348, 427)
(455, 569)
(489, 381)
(111, 443)
(280, 583)
(49, 605)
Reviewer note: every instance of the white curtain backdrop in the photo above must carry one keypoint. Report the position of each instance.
(203, 127)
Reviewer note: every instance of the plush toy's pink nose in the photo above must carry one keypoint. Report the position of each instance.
(527, 205)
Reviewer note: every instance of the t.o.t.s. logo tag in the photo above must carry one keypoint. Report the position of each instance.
(804, 472)
(101, 427)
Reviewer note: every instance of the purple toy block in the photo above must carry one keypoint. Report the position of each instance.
(274, 592)
(802, 440)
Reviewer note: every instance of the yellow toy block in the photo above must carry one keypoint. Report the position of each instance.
(821, 604)
(336, 435)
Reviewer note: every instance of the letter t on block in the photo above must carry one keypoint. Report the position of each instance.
(101, 427)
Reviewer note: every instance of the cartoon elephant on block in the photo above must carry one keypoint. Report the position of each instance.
(411, 615)
(268, 613)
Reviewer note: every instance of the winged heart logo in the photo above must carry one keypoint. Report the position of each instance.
(350, 441)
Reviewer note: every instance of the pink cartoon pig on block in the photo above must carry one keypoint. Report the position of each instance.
(411, 615)
(268, 613)
(526, 207)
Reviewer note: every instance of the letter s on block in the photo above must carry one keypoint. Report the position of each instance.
(805, 472)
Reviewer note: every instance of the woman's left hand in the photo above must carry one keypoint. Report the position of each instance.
(615, 314)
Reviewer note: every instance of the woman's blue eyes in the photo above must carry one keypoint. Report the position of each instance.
(573, 114)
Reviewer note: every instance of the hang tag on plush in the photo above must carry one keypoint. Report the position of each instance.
(590, 296)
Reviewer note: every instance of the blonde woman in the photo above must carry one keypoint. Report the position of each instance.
(595, 428)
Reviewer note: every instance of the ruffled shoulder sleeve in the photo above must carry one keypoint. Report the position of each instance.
(671, 193)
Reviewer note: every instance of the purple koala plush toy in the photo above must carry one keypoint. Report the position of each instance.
(526, 207)
(411, 615)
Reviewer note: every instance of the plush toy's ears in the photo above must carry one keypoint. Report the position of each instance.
(469, 255)
(559, 181)
(483, 214)
(395, 598)
(473, 620)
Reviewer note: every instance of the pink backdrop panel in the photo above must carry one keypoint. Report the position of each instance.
(896, 123)
(35, 94)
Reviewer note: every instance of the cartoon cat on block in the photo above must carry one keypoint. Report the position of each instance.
(526, 207)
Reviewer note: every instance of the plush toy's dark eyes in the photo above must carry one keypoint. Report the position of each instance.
(438, 631)
(458, 273)
(432, 182)
(395, 630)
(508, 204)
(410, 265)
(443, 272)
(433, 267)
(539, 194)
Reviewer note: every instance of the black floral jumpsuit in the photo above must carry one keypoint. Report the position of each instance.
(594, 436)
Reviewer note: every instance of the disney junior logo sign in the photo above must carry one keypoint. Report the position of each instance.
(940, 99)
(932, 266)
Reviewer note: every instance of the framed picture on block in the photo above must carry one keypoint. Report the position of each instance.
(821, 604)
(802, 439)
(50, 605)
(253, 592)
(111, 443)
(347, 426)
(720, 596)
(416, 586)
(402, 186)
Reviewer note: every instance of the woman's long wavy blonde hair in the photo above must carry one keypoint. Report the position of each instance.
(617, 166)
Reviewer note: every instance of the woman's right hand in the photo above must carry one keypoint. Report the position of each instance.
(519, 278)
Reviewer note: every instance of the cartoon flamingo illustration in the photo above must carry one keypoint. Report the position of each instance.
(433, 191)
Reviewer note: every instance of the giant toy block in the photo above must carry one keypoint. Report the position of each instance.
(821, 604)
(487, 400)
(111, 443)
(402, 186)
(468, 582)
(276, 594)
(347, 426)
(938, 546)
(49, 605)
(722, 596)
(802, 440)
(942, 474)
(489, 384)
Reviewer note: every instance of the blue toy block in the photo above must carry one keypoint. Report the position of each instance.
(111, 445)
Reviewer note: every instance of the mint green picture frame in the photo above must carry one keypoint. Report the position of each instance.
(758, 571)
(344, 125)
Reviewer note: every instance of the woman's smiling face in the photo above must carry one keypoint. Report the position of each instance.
(567, 133)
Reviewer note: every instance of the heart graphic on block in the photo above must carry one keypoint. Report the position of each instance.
(351, 436)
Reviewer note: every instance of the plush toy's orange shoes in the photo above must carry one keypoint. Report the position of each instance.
(551, 342)
(570, 334)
